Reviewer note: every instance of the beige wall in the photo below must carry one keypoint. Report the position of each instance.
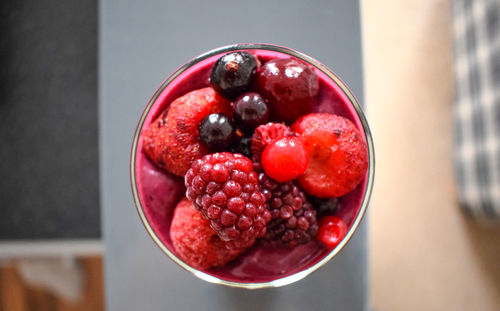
(425, 255)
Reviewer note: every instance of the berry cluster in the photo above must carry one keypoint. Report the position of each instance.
(256, 161)
(293, 217)
(224, 187)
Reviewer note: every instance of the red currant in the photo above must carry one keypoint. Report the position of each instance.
(285, 159)
(331, 231)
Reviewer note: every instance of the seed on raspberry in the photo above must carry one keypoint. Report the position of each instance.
(219, 198)
(205, 172)
(213, 211)
(228, 218)
(235, 205)
(293, 219)
(219, 172)
(206, 200)
(212, 187)
(231, 188)
(244, 222)
(239, 177)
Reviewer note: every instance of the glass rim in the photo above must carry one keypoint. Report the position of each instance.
(370, 178)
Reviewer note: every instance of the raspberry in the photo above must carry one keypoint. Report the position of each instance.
(264, 134)
(331, 231)
(293, 217)
(284, 159)
(338, 156)
(195, 241)
(224, 187)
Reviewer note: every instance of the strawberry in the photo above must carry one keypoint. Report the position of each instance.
(172, 141)
(338, 156)
(195, 241)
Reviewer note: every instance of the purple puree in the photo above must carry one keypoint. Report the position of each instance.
(160, 191)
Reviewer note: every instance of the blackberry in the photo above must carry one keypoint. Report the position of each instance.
(225, 188)
(293, 217)
(233, 73)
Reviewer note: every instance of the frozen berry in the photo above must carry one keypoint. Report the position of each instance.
(265, 134)
(290, 86)
(284, 159)
(293, 217)
(172, 141)
(216, 131)
(195, 241)
(338, 156)
(250, 111)
(331, 231)
(225, 188)
(232, 73)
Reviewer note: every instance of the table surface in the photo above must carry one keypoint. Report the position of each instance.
(140, 45)
(49, 189)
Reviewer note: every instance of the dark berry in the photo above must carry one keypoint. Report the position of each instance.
(250, 111)
(290, 86)
(284, 159)
(232, 73)
(243, 146)
(216, 131)
(265, 134)
(293, 217)
(325, 207)
(230, 197)
(331, 231)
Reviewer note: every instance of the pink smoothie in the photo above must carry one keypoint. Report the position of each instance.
(159, 191)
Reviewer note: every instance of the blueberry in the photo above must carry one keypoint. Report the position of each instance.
(216, 131)
(232, 73)
(250, 111)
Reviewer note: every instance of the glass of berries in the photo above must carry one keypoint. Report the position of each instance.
(252, 165)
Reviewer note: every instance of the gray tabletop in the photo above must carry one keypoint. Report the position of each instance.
(141, 43)
(49, 187)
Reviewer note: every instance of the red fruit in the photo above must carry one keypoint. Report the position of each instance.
(264, 134)
(225, 188)
(338, 156)
(195, 241)
(331, 231)
(290, 86)
(293, 217)
(284, 159)
(172, 141)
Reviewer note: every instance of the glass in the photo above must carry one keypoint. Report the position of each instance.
(257, 268)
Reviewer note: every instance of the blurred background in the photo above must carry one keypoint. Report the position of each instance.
(431, 93)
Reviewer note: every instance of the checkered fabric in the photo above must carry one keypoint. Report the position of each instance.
(476, 25)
